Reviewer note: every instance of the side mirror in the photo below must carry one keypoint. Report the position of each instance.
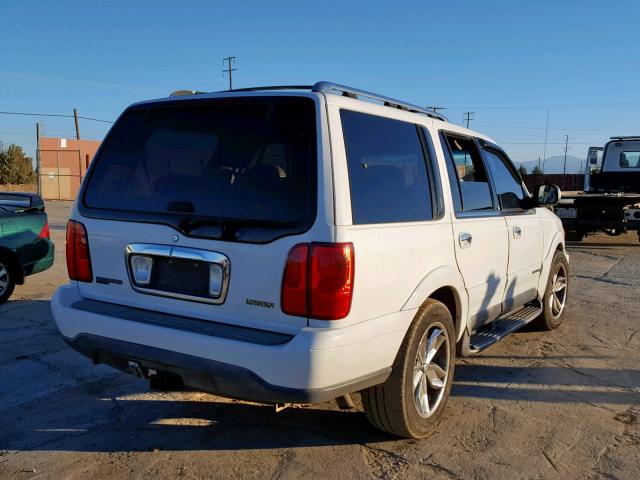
(546, 195)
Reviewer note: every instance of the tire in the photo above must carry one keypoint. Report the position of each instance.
(7, 281)
(392, 406)
(554, 303)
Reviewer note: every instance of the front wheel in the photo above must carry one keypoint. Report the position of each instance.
(410, 403)
(7, 282)
(556, 293)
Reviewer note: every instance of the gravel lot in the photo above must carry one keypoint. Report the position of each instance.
(559, 405)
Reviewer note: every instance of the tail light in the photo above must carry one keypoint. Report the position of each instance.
(318, 280)
(78, 258)
(44, 233)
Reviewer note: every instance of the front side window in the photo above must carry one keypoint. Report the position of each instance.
(629, 159)
(467, 167)
(507, 183)
(387, 171)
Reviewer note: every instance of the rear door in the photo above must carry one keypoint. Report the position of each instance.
(193, 185)
(479, 230)
(525, 231)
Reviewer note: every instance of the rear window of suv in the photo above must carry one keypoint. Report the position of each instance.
(240, 159)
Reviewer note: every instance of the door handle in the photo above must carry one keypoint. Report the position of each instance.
(465, 239)
(517, 232)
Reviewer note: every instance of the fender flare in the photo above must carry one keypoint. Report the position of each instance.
(442, 276)
(558, 239)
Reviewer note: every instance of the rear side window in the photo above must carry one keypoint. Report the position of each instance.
(240, 159)
(629, 159)
(466, 166)
(387, 170)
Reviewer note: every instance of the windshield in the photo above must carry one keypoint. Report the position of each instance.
(244, 158)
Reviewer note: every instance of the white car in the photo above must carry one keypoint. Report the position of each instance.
(298, 244)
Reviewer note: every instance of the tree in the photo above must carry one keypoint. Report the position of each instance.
(522, 169)
(15, 166)
(536, 170)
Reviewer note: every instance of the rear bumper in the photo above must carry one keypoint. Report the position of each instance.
(46, 256)
(210, 375)
(312, 365)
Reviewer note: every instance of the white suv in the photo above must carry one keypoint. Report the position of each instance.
(297, 244)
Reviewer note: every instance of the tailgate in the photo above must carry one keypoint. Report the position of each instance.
(254, 281)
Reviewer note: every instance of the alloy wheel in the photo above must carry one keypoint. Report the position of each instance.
(4, 278)
(431, 367)
(558, 296)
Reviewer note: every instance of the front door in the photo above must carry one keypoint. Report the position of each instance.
(479, 229)
(525, 231)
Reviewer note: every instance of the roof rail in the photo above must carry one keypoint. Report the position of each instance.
(180, 93)
(328, 87)
(631, 137)
(269, 87)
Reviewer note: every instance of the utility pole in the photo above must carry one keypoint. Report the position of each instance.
(435, 109)
(546, 131)
(75, 118)
(38, 179)
(566, 145)
(468, 116)
(230, 62)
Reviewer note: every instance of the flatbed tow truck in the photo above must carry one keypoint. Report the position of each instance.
(610, 202)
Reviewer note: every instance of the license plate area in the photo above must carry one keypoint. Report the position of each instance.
(177, 272)
(187, 277)
(566, 212)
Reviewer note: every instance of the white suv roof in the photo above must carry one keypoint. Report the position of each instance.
(329, 88)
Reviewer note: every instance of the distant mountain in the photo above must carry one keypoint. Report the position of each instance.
(554, 164)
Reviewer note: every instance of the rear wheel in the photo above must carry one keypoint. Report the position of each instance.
(555, 295)
(411, 401)
(7, 281)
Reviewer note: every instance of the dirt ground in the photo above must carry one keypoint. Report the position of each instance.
(558, 405)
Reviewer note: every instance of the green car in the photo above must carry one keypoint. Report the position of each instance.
(25, 245)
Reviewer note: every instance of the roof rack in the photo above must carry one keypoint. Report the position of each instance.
(270, 87)
(328, 87)
(631, 137)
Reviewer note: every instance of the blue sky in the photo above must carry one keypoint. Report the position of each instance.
(507, 61)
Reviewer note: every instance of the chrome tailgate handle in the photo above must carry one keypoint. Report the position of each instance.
(465, 239)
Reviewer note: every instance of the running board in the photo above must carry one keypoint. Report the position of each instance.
(498, 329)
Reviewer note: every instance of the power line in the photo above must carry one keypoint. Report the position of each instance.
(60, 115)
(526, 127)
